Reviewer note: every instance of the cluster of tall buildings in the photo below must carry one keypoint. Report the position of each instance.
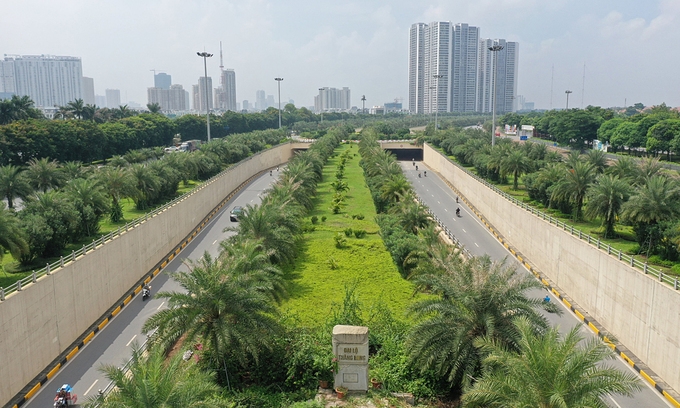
(168, 96)
(452, 69)
(332, 99)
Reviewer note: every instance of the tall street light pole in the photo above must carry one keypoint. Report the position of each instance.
(363, 104)
(494, 51)
(436, 97)
(205, 56)
(567, 92)
(278, 80)
(321, 103)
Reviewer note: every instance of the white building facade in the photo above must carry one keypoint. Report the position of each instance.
(333, 99)
(49, 80)
(504, 81)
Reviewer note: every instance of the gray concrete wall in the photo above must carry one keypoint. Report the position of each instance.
(42, 320)
(641, 312)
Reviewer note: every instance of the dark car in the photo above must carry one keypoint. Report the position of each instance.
(235, 213)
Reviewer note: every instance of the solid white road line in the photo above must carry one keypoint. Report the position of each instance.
(464, 230)
(214, 242)
(128, 343)
(161, 305)
(614, 401)
(88, 390)
(476, 245)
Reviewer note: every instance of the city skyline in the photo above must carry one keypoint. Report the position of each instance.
(361, 45)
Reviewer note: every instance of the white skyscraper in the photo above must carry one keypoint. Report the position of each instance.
(506, 78)
(438, 36)
(260, 101)
(201, 94)
(113, 98)
(464, 68)
(88, 91)
(48, 80)
(225, 96)
(416, 85)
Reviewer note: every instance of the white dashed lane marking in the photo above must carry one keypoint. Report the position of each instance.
(128, 343)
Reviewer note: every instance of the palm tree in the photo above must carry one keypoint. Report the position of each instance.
(89, 197)
(395, 189)
(605, 199)
(152, 381)
(44, 174)
(118, 183)
(89, 111)
(472, 299)
(77, 108)
(12, 237)
(153, 107)
(248, 256)
(574, 185)
(648, 168)
(624, 168)
(598, 159)
(515, 163)
(13, 184)
(412, 215)
(73, 170)
(146, 184)
(653, 202)
(549, 372)
(224, 309)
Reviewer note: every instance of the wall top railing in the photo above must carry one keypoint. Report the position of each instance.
(594, 241)
(63, 260)
(446, 230)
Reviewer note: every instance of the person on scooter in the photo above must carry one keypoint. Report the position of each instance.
(418, 175)
(458, 212)
(425, 173)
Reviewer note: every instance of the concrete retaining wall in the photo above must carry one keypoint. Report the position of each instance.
(642, 313)
(42, 320)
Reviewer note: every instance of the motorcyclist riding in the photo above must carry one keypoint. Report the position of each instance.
(458, 212)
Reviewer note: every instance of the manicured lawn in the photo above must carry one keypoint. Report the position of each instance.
(322, 272)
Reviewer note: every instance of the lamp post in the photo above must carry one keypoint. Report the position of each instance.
(278, 80)
(431, 103)
(567, 92)
(494, 50)
(205, 56)
(321, 103)
(363, 104)
(436, 112)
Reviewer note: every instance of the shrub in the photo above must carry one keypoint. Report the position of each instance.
(314, 219)
(358, 216)
(656, 260)
(360, 233)
(323, 218)
(332, 263)
(340, 241)
(676, 269)
(348, 232)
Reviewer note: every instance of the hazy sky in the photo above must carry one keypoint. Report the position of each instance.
(627, 46)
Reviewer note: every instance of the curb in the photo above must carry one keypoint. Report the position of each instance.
(645, 372)
(53, 368)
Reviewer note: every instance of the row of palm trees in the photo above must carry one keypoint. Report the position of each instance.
(228, 303)
(636, 192)
(478, 325)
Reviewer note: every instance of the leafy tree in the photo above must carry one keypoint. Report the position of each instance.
(146, 185)
(576, 127)
(44, 174)
(53, 215)
(89, 198)
(472, 300)
(660, 136)
(574, 185)
(626, 134)
(12, 237)
(224, 309)
(154, 382)
(13, 184)
(606, 130)
(548, 372)
(605, 199)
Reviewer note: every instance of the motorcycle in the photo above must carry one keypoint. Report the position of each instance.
(146, 292)
(458, 212)
(65, 397)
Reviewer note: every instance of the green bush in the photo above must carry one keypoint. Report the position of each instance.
(358, 217)
(340, 241)
(656, 260)
(323, 218)
(676, 269)
(634, 250)
(348, 232)
(360, 233)
(314, 219)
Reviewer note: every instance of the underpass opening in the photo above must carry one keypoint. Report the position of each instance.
(407, 153)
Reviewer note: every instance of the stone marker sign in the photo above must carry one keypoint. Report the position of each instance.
(350, 347)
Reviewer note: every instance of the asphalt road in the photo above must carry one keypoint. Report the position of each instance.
(479, 241)
(112, 345)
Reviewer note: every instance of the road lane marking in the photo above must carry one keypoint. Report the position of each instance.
(476, 245)
(214, 242)
(438, 202)
(446, 209)
(464, 230)
(161, 305)
(88, 390)
(614, 401)
(128, 343)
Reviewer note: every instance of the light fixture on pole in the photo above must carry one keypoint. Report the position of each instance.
(278, 80)
(205, 56)
(567, 92)
(363, 104)
(436, 112)
(431, 103)
(494, 51)
(321, 103)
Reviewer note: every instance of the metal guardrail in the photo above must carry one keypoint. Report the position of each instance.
(446, 230)
(73, 257)
(594, 241)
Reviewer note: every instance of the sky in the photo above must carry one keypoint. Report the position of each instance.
(626, 46)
